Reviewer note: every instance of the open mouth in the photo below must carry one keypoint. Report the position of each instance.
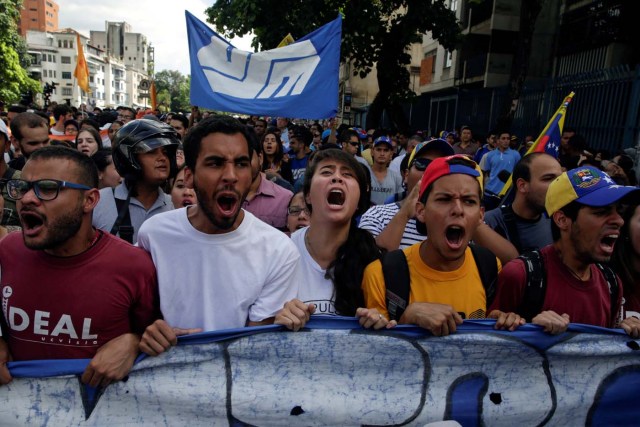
(608, 241)
(227, 203)
(336, 197)
(454, 235)
(187, 202)
(31, 221)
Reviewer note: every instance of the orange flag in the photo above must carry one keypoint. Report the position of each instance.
(82, 69)
(153, 94)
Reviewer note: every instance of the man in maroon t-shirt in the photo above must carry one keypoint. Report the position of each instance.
(583, 206)
(68, 290)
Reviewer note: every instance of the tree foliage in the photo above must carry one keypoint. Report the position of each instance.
(14, 58)
(173, 89)
(373, 32)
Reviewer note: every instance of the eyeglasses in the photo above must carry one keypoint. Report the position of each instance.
(354, 144)
(45, 189)
(421, 163)
(295, 211)
(120, 116)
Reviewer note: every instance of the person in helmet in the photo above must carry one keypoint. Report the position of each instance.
(144, 153)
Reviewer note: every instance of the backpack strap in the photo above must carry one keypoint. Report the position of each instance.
(614, 289)
(395, 271)
(535, 287)
(487, 268)
(122, 226)
(509, 218)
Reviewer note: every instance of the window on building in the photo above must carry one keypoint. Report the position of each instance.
(65, 60)
(59, 43)
(432, 54)
(126, 48)
(65, 44)
(67, 91)
(55, 76)
(453, 5)
(66, 75)
(448, 59)
(91, 79)
(71, 44)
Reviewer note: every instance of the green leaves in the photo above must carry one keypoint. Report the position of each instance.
(173, 89)
(14, 78)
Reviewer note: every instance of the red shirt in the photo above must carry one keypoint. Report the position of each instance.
(67, 308)
(585, 302)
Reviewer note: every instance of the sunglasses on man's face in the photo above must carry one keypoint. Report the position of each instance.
(421, 163)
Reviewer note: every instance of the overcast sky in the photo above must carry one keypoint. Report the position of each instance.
(162, 22)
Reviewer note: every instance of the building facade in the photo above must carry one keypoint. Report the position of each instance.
(585, 46)
(113, 78)
(38, 15)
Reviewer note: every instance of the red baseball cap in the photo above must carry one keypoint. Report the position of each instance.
(443, 166)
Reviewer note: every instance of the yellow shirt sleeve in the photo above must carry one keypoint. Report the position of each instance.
(374, 288)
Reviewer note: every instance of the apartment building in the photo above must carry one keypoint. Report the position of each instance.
(38, 15)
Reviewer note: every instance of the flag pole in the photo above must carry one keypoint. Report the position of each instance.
(557, 119)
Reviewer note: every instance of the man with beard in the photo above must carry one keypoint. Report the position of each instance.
(30, 132)
(523, 223)
(575, 286)
(70, 291)
(233, 270)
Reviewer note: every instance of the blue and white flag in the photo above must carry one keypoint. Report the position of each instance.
(299, 80)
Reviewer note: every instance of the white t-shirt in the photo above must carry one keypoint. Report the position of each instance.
(395, 163)
(314, 287)
(219, 281)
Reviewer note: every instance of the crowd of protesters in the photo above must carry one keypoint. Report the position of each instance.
(169, 224)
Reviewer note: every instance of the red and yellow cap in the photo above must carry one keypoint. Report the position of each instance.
(443, 166)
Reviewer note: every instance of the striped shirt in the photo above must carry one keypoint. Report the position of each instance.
(377, 217)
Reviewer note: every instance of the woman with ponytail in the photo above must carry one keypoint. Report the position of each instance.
(334, 251)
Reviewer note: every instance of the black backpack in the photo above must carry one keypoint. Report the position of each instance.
(535, 290)
(398, 282)
(122, 226)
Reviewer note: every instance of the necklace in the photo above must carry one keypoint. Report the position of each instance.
(309, 247)
(96, 236)
(576, 275)
(586, 275)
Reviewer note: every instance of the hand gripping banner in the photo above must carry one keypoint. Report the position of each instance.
(335, 373)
